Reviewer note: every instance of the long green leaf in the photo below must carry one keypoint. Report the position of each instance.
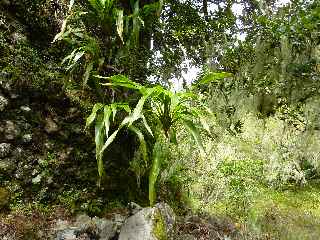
(125, 107)
(146, 125)
(154, 172)
(201, 115)
(62, 31)
(140, 20)
(114, 111)
(143, 144)
(119, 23)
(104, 3)
(121, 81)
(135, 22)
(99, 138)
(86, 74)
(77, 56)
(93, 114)
(109, 140)
(214, 77)
(189, 125)
(137, 111)
(173, 136)
(96, 4)
(106, 119)
(69, 57)
(75, 59)
(160, 7)
(135, 115)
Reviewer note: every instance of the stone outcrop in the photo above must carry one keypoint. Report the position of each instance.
(86, 228)
(151, 223)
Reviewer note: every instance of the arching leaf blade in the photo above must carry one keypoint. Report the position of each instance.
(93, 114)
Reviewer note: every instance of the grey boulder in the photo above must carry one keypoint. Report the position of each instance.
(86, 228)
(151, 223)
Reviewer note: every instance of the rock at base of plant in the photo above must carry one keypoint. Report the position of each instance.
(105, 228)
(86, 228)
(154, 223)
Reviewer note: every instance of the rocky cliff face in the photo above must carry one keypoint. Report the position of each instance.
(45, 154)
(43, 148)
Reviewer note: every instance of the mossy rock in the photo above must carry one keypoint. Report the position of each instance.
(4, 197)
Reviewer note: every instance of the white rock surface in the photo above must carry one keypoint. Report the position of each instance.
(145, 224)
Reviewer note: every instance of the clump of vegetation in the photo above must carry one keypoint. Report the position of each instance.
(167, 110)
